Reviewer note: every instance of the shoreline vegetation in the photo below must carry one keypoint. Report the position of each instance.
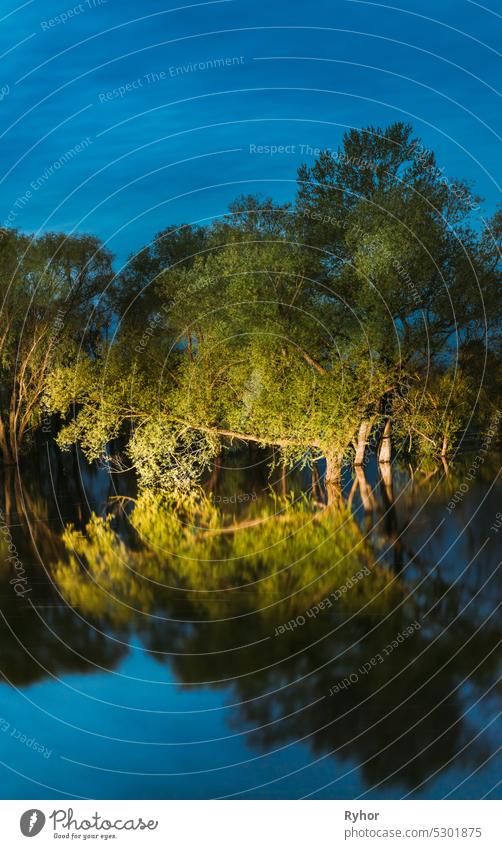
(363, 317)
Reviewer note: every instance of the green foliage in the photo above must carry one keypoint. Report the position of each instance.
(399, 246)
(54, 302)
(288, 558)
(432, 418)
(292, 326)
(171, 458)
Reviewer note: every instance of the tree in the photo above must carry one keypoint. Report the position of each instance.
(242, 351)
(303, 328)
(409, 273)
(53, 301)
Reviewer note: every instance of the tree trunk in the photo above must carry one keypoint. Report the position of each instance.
(444, 449)
(4, 445)
(362, 441)
(315, 481)
(332, 479)
(8, 484)
(385, 450)
(16, 443)
(215, 474)
(387, 480)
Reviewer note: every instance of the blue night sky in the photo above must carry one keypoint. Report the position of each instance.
(176, 145)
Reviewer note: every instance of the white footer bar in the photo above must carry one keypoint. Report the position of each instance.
(253, 824)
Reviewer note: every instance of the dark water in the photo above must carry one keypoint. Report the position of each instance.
(169, 671)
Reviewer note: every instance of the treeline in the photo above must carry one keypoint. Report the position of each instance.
(367, 310)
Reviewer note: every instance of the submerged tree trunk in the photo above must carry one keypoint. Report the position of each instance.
(315, 480)
(388, 483)
(215, 474)
(333, 479)
(8, 486)
(362, 441)
(5, 448)
(385, 450)
(284, 487)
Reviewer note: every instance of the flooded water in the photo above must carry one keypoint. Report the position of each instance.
(329, 652)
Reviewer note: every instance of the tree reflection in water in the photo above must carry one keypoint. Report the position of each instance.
(233, 600)
(234, 603)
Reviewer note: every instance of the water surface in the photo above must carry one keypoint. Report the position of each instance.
(157, 657)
